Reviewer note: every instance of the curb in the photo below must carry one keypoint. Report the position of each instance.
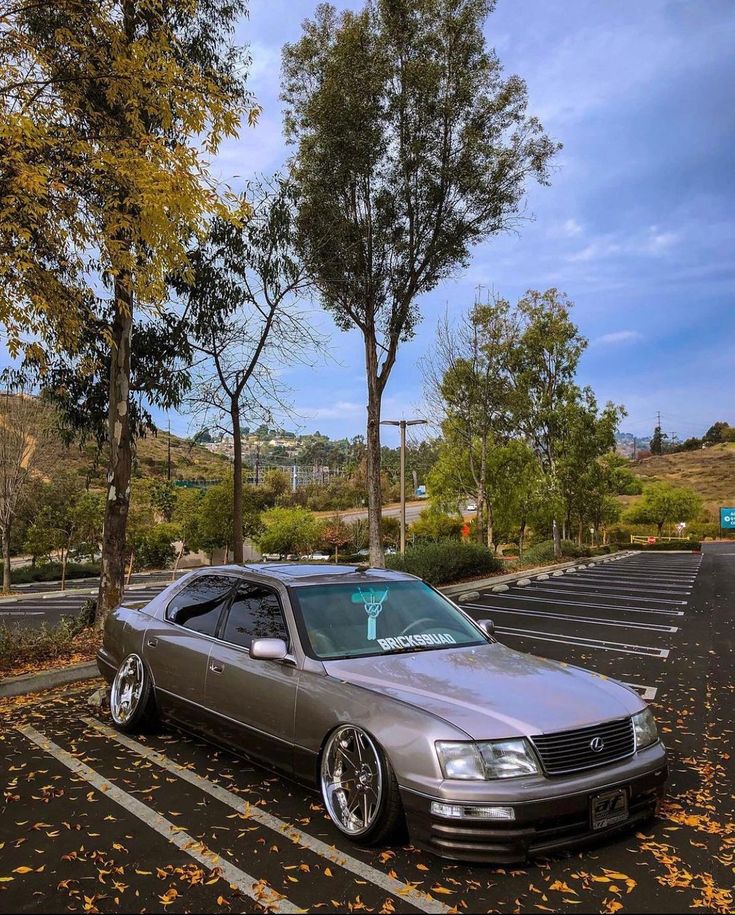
(47, 679)
(470, 587)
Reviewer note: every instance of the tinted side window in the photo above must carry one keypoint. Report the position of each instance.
(255, 614)
(199, 605)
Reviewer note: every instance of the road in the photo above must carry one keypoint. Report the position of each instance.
(92, 822)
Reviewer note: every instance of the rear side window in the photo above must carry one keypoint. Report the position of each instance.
(255, 614)
(199, 605)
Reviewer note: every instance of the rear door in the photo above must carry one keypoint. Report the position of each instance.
(253, 700)
(177, 648)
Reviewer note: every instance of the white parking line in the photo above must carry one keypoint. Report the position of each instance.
(571, 589)
(627, 585)
(635, 577)
(581, 642)
(249, 886)
(647, 692)
(391, 885)
(569, 617)
(576, 603)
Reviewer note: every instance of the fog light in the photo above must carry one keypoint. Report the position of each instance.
(459, 812)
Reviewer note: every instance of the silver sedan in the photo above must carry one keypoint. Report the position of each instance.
(400, 709)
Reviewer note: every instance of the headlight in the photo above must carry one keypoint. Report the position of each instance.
(644, 726)
(486, 760)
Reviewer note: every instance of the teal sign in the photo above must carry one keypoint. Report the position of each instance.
(727, 519)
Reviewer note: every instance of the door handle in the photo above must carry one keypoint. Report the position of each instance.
(152, 643)
(216, 667)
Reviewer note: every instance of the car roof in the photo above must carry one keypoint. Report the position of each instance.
(304, 573)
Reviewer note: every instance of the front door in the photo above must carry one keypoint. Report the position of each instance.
(251, 702)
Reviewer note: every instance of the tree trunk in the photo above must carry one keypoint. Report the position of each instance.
(237, 536)
(557, 540)
(6, 560)
(375, 501)
(112, 567)
(521, 535)
(490, 527)
(64, 558)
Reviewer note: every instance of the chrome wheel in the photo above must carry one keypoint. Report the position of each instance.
(352, 780)
(127, 688)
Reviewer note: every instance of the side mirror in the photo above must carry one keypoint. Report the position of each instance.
(268, 649)
(487, 626)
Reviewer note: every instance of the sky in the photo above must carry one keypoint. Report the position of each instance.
(637, 227)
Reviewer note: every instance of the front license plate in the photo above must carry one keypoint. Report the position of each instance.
(609, 808)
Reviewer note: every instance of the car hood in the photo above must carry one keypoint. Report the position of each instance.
(490, 691)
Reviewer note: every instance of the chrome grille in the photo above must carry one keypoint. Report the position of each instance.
(570, 751)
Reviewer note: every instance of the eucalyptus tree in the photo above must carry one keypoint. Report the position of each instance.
(245, 317)
(411, 147)
(468, 387)
(543, 371)
(109, 112)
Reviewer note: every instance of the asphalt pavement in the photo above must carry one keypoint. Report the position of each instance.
(92, 821)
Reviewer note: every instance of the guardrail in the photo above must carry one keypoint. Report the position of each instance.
(638, 538)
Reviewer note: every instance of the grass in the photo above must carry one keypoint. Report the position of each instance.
(708, 471)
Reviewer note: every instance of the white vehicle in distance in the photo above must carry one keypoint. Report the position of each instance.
(471, 507)
(318, 556)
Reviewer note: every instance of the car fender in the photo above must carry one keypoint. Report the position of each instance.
(405, 733)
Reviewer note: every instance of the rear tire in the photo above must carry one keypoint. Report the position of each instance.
(359, 787)
(132, 704)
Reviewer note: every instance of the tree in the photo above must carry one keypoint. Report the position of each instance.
(68, 519)
(27, 448)
(411, 148)
(718, 432)
(243, 313)
(289, 530)
(663, 503)
(115, 106)
(468, 383)
(659, 440)
(337, 534)
(543, 369)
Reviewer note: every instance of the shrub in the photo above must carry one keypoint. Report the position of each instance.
(691, 546)
(154, 548)
(445, 561)
(51, 571)
(544, 551)
(72, 638)
(434, 525)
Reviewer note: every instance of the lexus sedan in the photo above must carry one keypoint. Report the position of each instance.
(375, 689)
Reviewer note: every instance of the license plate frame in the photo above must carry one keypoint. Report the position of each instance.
(610, 808)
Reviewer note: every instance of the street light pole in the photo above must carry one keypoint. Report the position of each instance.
(402, 423)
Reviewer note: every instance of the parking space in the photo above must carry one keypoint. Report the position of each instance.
(94, 821)
(621, 617)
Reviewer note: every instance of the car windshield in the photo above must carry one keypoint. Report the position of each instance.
(351, 620)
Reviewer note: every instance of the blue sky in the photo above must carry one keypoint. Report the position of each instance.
(638, 226)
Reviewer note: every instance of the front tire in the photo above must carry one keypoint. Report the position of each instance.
(359, 787)
(132, 705)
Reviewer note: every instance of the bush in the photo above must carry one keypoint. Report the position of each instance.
(445, 561)
(154, 548)
(71, 639)
(544, 551)
(662, 545)
(51, 571)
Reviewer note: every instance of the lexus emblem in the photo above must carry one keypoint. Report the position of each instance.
(597, 744)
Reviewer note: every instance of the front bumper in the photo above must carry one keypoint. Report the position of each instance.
(542, 825)
(106, 665)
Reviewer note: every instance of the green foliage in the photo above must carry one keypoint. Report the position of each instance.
(154, 548)
(163, 498)
(663, 504)
(445, 561)
(51, 571)
(289, 530)
(544, 552)
(433, 524)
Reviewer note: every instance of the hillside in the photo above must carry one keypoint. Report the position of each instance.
(708, 471)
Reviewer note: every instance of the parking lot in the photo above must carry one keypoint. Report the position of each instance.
(92, 821)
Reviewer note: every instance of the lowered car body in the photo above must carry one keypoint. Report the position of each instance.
(375, 689)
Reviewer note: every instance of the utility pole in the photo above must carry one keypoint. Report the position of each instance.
(169, 450)
(402, 423)
(257, 464)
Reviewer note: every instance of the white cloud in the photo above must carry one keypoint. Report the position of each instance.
(616, 337)
(343, 409)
